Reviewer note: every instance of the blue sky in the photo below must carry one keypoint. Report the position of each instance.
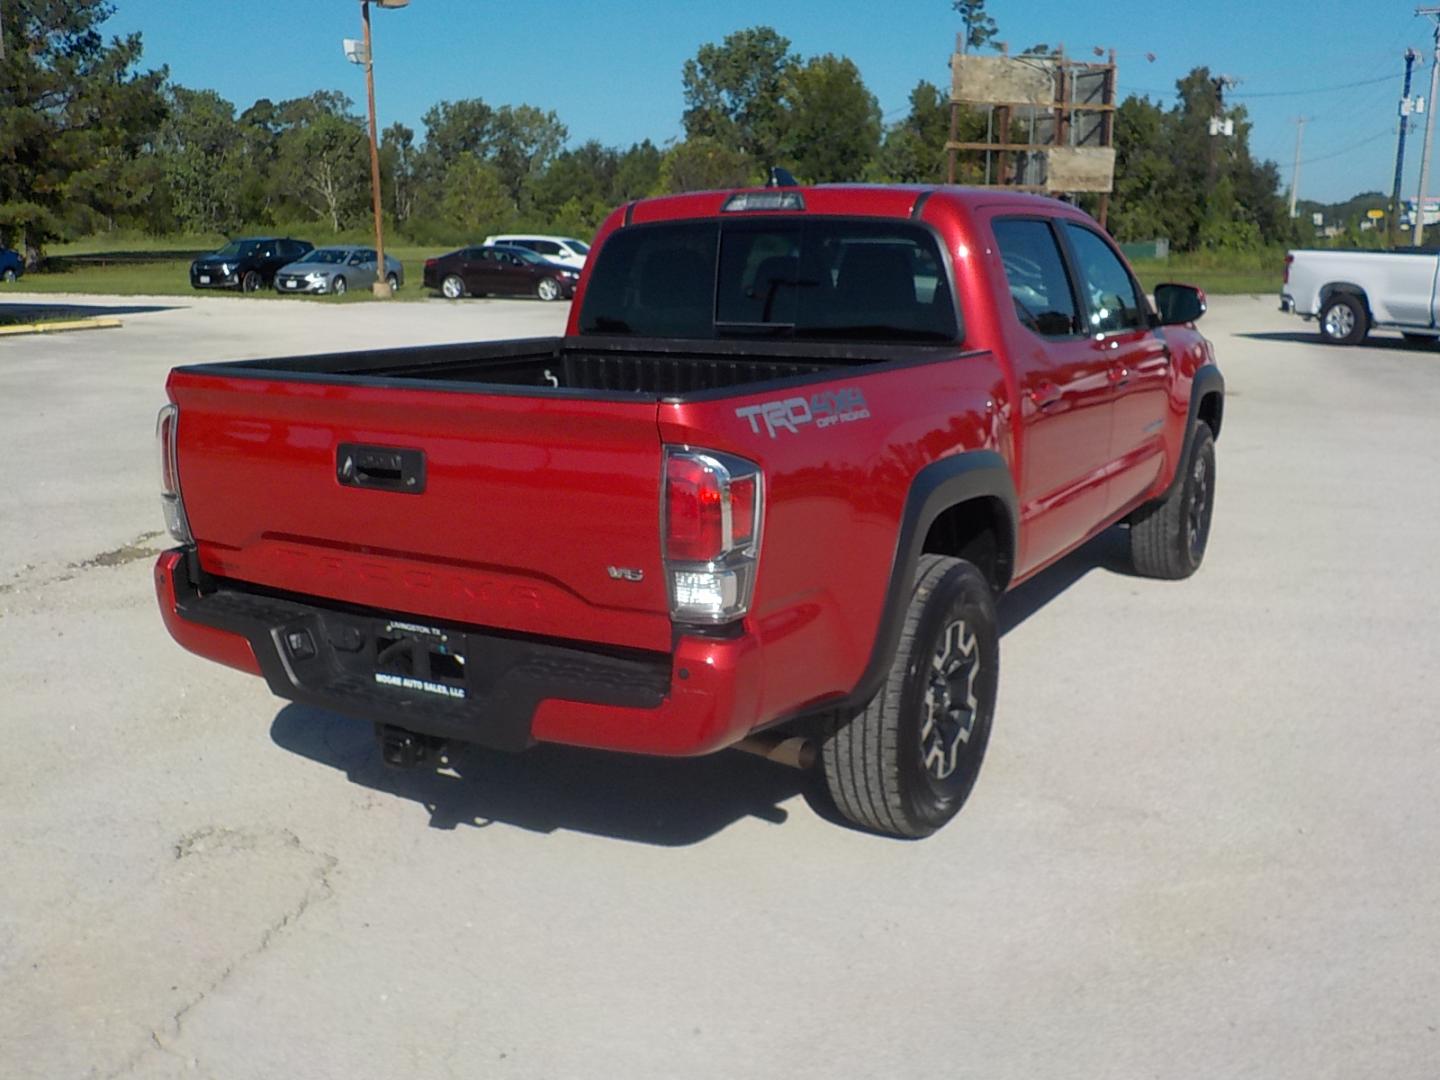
(611, 70)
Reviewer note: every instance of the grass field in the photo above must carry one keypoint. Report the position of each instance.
(148, 266)
(161, 267)
(1259, 272)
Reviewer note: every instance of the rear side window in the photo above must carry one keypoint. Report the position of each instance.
(775, 277)
(1035, 271)
(1110, 294)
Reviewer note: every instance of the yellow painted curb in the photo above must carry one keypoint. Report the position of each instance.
(59, 327)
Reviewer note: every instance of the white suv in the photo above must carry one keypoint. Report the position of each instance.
(565, 250)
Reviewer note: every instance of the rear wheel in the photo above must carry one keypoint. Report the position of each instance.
(1168, 538)
(452, 288)
(393, 280)
(251, 281)
(9, 274)
(906, 764)
(338, 286)
(548, 289)
(1344, 320)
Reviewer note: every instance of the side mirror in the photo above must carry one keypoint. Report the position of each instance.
(1178, 304)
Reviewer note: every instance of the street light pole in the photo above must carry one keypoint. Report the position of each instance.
(381, 287)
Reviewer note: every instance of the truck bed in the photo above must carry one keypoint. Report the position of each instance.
(578, 366)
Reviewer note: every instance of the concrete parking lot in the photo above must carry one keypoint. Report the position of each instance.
(1204, 844)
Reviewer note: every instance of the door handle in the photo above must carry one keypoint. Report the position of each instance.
(1045, 394)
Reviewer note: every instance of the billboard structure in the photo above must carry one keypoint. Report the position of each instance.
(1050, 123)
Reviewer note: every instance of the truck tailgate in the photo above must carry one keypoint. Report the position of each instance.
(536, 514)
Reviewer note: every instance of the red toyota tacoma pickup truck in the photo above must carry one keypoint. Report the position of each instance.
(765, 492)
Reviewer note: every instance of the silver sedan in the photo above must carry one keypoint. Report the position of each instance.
(336, 270)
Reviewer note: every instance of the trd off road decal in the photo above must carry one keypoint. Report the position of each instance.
(822, 409)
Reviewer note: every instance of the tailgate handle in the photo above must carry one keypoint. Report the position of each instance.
(388, 468)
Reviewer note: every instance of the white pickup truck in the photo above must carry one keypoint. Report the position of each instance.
(1354, 292)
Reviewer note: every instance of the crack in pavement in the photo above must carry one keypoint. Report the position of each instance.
(211, 841)
(133, 551)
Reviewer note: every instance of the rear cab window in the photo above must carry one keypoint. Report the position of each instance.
(774, 276)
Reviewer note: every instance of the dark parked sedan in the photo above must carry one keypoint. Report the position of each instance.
(248, 263)
(11, 264)
(499, 270)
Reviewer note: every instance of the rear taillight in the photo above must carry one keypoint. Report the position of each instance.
(167, 426)
(1289, 260)
(713, 514)
(430, 264)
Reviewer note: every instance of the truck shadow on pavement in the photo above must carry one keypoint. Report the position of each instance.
(668, 802)
(1109, 551)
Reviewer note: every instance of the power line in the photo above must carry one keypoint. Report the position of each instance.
(1356, 146)
(1316, 90)
(1275, 93)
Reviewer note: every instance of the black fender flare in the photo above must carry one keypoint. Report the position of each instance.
(1207, 381)
(965, 477)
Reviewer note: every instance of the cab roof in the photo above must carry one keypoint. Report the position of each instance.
(868, 200)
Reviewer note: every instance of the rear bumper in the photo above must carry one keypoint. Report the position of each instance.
(504, 691)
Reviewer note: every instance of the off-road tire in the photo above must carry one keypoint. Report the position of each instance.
(1168, 537)
(875, 763)
(1344, 320)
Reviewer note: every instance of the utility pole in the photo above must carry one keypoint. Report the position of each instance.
(1434, 14)
(1406, 108)
(1295, 175)
(1219, 123)
(382, 285)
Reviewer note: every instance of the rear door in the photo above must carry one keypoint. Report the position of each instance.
(1135, 360)
(477, 267)
(527, 513)
(513, 275)
(1064, 393)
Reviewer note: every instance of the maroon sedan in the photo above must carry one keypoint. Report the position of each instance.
(500, 270)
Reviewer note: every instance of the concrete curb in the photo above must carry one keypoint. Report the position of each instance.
(59, 327)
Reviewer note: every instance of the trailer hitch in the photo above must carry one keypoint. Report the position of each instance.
(402, 749)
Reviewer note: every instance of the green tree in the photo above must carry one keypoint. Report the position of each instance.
(980, 28)
(637, 173)
(523, 142)
(456, 128)
(577, 187)
(1201, 190)
(475, 200)
(324, 161)
(733, 92)
(399, 161)
(831, 128)
(704, 163)
(75, 113)
(203, 160)
(1142, 205)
